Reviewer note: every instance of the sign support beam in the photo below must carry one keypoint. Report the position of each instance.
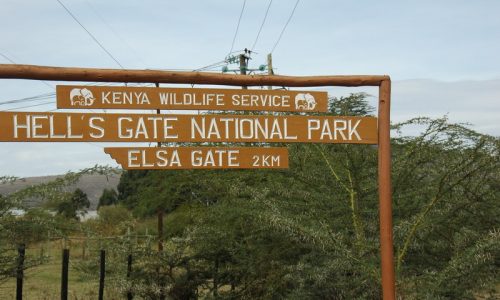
(147, 76)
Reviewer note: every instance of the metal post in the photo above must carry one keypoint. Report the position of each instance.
(385, 191)
(20, 271)
(129, 274)
(102, 274)
(64, 274)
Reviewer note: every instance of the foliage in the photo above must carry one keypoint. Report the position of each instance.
(108, 197)
(74, 204)
(114, 217)
(446, 195)
(352, 105)
(311, 232)
(8, 179)
(37, 224)
(33, 227)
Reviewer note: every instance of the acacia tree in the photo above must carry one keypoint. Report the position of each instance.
(311, 232)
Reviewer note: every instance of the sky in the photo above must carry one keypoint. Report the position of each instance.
(442, 56)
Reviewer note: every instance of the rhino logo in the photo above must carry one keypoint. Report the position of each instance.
(305, 101)
(81, 97)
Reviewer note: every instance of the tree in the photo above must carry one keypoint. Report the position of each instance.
(76, 203)
(311, 232)
(108, 197)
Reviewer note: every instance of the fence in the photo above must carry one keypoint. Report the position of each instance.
(44, 249)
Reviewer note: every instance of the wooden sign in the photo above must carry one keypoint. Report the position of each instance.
(114, 97)
(166, 158)
(75, 127)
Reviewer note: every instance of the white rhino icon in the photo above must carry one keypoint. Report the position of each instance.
(305, 101)
(81, 97)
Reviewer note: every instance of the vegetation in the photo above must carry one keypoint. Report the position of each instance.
(108, 197)
(75, 204)
(311, 232)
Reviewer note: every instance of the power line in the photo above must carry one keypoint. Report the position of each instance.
(7, 58)
(288, 21)
(90, 34)
(44, 96)
(211, 66)
(29, 99)
(29, 106)
(261, 25)
(237, 26)
(96, 12)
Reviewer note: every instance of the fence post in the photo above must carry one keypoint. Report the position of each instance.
(84, 247)
(48, 244)
(129, 274)
(102, 274)
(20, 271)
(64, 274)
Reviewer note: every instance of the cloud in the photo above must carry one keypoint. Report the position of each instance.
(474, 102)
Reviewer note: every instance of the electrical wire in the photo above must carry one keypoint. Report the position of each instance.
(286, 24)
(262, 25)
(40, 96)
(212, 66)
(119, 36)
(7, 58)
(90, 34)
(49, 95)
(29, 106)
(237, 26)
(29, 99)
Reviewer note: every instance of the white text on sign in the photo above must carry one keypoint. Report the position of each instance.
(85, 97)
(73, 127)
(200, 157)
(21, 126)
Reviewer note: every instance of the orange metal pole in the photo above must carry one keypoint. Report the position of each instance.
(385, 191)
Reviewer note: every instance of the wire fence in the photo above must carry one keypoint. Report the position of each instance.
(42, 269)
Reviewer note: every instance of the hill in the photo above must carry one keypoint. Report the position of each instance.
(92, 185)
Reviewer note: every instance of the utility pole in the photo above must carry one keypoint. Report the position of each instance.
(270, 70)
(243, 65)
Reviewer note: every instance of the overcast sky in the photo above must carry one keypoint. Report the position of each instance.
(443, 56)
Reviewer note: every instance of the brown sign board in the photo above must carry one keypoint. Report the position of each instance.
(172, 158)
(95, 127)
(114, 97)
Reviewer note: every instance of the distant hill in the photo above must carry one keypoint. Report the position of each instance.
(92, 185)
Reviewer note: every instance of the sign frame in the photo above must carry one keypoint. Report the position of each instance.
(383, 82)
